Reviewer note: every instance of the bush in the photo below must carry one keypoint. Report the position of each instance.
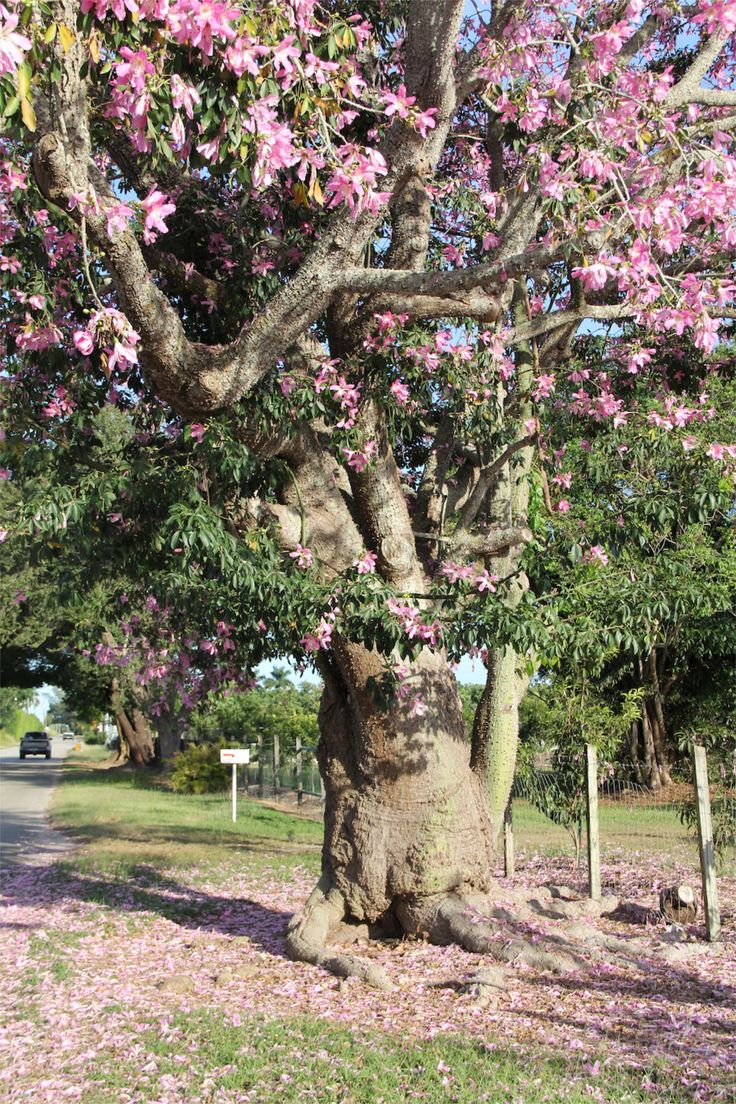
(92, 736)
(198, 770)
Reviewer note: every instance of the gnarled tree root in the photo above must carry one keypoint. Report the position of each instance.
(472, 921)
(465, 921)
(309, 931)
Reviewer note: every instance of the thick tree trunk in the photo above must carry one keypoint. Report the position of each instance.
(409, 837)
(167, 730)
(136, 738)
(406, 819)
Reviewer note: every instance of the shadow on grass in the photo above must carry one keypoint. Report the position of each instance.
(145, 889)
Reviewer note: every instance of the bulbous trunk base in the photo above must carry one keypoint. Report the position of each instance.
(410, 841)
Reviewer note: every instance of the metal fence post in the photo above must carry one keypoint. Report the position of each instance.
(594, 848)
(261, 779)
(707, 849)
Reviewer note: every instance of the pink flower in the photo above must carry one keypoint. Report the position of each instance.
(196, 431)
(359, 459)
(156, 207)
(457, 572)
(399, 103)
(117, 218)
(485, 582)
(12, 45)
(563, 506)
(84, 342)
(400, 392)
(593, 277)
(3, 535)
(424, 121)
(596, 554)
(321, 638)
(367, 564)
(303, 556)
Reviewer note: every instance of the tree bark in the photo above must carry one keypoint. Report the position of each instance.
(134, 731)
(406, 819)
(650, 768)
(657, 720)
(496, 731)
(167, 731)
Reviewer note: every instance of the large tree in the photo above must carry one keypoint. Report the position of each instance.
(356, 245)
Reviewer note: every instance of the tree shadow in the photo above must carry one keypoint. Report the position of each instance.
(147, 890)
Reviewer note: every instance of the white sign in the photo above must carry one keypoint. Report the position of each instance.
(234, 755)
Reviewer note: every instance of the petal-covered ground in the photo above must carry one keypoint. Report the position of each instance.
(94, 967)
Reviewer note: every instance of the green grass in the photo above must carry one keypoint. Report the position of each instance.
(133, 831)
(636, 828)
(301, 1060)
(123, 816)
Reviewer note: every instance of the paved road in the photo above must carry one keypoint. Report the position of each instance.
(25, 793)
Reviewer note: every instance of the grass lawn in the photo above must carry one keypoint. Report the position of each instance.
(148, 967)
(123, 816)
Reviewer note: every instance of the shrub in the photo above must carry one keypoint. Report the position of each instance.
(92, 736)
(198, 770)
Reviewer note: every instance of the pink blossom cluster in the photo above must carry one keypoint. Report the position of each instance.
(168, 665)
(366, 565)
(110, 330)
(302, 556)
(468, 573)
(410, 619)
(13, 44)
(344, 393)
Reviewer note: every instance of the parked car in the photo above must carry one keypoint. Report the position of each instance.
(68, 736)
(35, 743)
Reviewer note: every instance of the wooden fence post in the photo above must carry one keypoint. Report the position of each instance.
(508, 840)
(299, 790)
(707, 849)
(261, 778)
(276, 763)
(594, 848)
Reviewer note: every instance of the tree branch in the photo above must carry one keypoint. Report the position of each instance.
(688, 90)
(472, 507)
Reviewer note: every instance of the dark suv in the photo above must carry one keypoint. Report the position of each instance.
(35, 743)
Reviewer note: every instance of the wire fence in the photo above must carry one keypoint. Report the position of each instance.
(272, 773)
(655, 829)
(635, 823)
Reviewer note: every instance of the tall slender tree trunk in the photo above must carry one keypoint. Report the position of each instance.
(657, 721)
(650, 768)
(496, 727)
